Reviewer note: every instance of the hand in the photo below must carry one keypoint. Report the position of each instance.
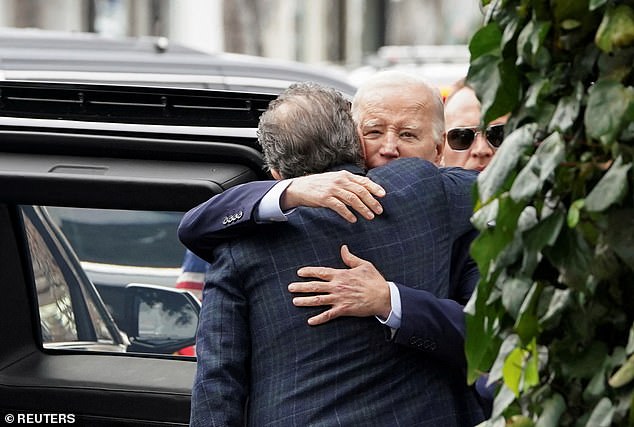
(337, 191)
(360, 291)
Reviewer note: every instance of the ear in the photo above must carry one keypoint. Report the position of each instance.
(276, 175)
(362, 142)
(439, 150)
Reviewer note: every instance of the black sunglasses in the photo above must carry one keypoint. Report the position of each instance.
(460, 139)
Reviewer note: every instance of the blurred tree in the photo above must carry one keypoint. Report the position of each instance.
(26, 13)
(552, 319)
(242, 27)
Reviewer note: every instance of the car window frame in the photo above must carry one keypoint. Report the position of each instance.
(80, 287)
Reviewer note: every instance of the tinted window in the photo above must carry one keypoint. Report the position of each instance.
(132, 238)
(69, 312)
(81, 315)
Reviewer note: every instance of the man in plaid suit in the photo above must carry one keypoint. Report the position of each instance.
(258, 360)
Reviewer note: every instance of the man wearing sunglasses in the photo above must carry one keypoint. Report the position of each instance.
(467, 145)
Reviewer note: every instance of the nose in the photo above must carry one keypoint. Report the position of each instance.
(481, 147)
(389, 147)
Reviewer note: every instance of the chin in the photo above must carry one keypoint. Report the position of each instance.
(379, 162)
(478, 168)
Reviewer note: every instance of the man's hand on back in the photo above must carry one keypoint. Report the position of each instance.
(359, 291)
(338, 191)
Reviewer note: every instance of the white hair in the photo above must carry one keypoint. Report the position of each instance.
(403, 80)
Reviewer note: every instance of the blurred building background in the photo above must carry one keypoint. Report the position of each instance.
(347, 33)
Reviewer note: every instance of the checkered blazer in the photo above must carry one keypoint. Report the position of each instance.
(260, 364)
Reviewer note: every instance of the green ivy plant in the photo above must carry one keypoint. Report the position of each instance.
(552, 319)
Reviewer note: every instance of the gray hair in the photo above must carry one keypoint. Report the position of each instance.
(308, 129)
(405, 81)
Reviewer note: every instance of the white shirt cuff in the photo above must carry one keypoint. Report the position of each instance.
(394, 319)
(269, 209)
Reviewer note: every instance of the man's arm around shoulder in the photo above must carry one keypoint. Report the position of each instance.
(222, 217)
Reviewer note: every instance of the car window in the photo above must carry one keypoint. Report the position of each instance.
(91, 290)
(120, 237)
(68, 312)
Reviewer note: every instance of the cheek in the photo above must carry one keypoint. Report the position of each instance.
(424, 151)
(455, 158)
(370, 150)
(369, 156)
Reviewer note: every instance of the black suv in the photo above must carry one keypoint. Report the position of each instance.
(118, 247)
(120, 149)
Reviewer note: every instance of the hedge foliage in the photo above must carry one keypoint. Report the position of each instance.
(552, 319)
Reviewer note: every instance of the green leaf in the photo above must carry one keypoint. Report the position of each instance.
(513, 294)
(595, 4)
(508, 93)
(531, 371)
(602, 414)
(570, 24)
(606, 265)
(482, 217)
(616, 29)
(512, 23)
(527, 182)
(553, 408)
(567, 110)
(620, 234)
(624, 375)
(596, 386)
(527, 325)
(520, 421)
(481, 342)
(484, 77)
(509, 343)
(486, 41)
(569, 10)
(584, 365)
(559, 300)
(574, 212)
(606, 112)
(490, 181)
(549, 154)
(530, 41)
(616, 67)
(545, 232)
(536, 91)
(572, 256)
(629, 349)
(526, 220)
(503, 399)
(492, 241)
(497, 84)
(512, 370)
(610, 189)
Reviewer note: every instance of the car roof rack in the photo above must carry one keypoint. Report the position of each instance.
(132, 104)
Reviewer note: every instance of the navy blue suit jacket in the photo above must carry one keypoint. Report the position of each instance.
(254, 346)
(429, 323)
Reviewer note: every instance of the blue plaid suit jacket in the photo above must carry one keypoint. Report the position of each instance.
(258, 358)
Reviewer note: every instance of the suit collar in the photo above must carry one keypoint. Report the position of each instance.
(352, 168)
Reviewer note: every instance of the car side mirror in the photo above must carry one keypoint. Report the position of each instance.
(159, 319)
